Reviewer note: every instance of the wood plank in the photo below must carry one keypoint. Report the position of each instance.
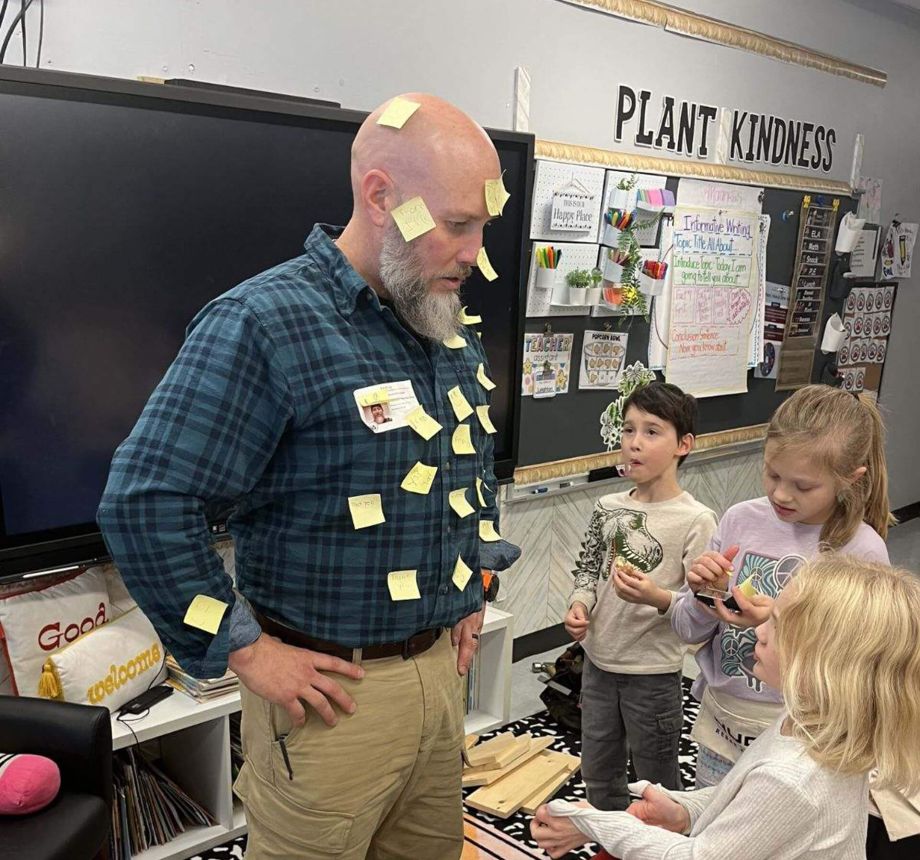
(470, 741)
(505, 797)
(473, 776)
(541, 795)
(515, 751)
(485, 752)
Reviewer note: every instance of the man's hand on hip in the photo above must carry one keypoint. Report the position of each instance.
(295, 678)
(465, 633)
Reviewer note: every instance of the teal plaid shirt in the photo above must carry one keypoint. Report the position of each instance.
(257, 415)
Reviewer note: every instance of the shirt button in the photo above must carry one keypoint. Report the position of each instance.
(447, 467)
(443, 589)
(450, 529)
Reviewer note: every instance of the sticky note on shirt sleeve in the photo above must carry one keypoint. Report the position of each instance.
(397, 112)
(462, 408)
(462, 441)
(419, 479)
(205, 613)
(487, 531)
(483, 413)
(403, 585)
(462, 573)
(496, 196)
(484, 380)
(413, 219)
(462, 508)
(366, 510)
(485, 265)
(422, 423)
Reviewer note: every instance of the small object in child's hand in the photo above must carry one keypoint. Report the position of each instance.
(709, 596)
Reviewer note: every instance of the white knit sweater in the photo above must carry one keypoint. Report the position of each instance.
(777, 803)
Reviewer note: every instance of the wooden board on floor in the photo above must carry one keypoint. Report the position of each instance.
(505, 797)
(474, 776)
(542, 795)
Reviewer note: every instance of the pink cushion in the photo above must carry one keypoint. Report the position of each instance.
(27, 783)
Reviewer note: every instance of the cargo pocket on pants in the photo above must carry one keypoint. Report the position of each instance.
(669, 725)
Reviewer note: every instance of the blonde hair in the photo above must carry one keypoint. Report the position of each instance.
(842, 432)
(848, 642)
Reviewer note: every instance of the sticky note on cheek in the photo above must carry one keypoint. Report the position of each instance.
(205, 613)
(403, 585)
(485, 265)
(413, 219)
(366, 510)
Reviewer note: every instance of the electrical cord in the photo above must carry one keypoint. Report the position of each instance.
(22, 8)
(3, 12)
(9, 34)
(41, 33)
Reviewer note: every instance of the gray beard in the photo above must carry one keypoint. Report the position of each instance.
(432, 315)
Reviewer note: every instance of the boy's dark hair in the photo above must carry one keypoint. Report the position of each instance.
(669, 403)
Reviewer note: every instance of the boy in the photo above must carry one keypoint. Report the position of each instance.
(643, 541)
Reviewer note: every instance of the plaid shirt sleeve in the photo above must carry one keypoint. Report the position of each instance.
(203, 438)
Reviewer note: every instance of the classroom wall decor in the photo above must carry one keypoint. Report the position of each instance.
(553, 178)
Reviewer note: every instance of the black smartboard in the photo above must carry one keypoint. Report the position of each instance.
(568, 425)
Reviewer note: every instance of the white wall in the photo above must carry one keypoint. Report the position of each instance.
(359, 53)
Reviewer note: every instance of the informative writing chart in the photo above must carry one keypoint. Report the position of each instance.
(714, 290)
(806, 296)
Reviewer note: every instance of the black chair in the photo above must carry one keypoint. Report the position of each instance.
(75, 826)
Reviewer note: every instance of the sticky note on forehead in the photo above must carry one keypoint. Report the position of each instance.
(413, 219)
(496, 196)
(397, 112)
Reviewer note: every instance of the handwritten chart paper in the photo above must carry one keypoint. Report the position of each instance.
(714, 290)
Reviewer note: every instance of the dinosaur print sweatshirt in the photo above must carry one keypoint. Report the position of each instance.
(661, 539)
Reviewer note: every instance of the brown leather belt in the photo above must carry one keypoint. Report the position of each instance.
(411, 647)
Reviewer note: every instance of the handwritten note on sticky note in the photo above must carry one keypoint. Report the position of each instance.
(378, 395)
(462, 408)
(487, 531)
(397, 112)
(422, 423)
(419, 479)
(484, 380)
(483, 413)
(366, 510)
(205, 613)
(479, 486)
(462, 441)
(413, 219)
(462, 573)
(496, 196)
(403, 585)
(455, 342)
(469, 319)
(462, 508)
(485, 265)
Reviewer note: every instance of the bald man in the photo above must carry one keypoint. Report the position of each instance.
(359, 602)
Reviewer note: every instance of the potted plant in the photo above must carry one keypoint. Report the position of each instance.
(578, 281)
(594, 291)
(627, 291)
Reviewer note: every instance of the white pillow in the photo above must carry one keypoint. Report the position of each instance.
(107, 666)
(36, 623)
(119, 598)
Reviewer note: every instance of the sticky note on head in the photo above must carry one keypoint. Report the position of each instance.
(205, 613)
(366, 510)
(485, 265)
(413, 219)
(496, 196)
(396, 114)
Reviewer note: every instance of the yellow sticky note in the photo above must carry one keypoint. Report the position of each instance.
(487, 531)
(397, 112)
(479, 486)
(455, 342)
(468, 319)
(462, 441)
(747, 588)
(484, 380)
(413, 219)
(462, 508)
(378, 395)
(462, 408)
(366, 510)
(462, 573)
(419, 479)
(205, 613)
(496, 196)
(403, 585)
(485, 265)
(483, 413)
(422, 423)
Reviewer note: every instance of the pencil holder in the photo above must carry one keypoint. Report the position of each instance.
(611, 237)
(612, 271)
(651, 286)
(545, 278)
(613, 294)
(593, 296)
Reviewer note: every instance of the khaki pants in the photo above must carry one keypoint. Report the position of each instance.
(383, 784)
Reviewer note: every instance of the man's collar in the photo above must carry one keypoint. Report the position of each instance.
(347, 284)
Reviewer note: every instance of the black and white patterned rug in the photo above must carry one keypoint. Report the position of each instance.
(517, 827)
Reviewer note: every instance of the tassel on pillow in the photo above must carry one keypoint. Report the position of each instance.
(48, 685)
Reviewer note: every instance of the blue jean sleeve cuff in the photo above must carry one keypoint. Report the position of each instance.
(244, 629)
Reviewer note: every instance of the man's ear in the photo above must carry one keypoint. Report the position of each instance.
(378, 196)
(685, 445)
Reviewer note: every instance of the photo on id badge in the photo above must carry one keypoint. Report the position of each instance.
(384, 406)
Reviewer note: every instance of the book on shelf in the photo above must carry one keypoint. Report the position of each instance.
(200, 689)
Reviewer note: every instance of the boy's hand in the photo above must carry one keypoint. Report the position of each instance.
(633, 586)
(754, 610)
(712, 569)
(576, 621)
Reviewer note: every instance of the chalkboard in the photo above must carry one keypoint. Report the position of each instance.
(568, 425)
